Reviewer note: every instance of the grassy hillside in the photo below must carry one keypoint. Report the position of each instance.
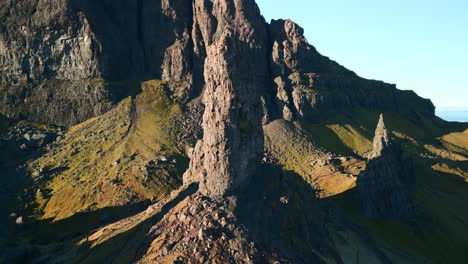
(291, 146)
(439, 232)
(113, 163)
(125, 156)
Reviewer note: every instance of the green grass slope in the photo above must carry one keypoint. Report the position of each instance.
(124, 156)
(439, 233)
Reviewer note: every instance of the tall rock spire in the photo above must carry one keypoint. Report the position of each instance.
(232, 122)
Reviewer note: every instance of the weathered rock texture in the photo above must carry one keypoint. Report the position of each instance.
(233, 137)
(67, 47)
(73, 43)
(384, 188)
(381, 139)
(201, 231)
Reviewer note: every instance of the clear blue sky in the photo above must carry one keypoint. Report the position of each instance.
(418, 45)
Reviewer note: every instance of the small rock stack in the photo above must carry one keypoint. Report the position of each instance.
(384, 188)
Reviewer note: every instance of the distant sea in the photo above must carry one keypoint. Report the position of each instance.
(459, 114)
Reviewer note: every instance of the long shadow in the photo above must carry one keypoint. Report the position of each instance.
(327, 139)
(57, 242)
(437, 232)
(13, 179)
(29, 237)
(128, 246)
(280, 211)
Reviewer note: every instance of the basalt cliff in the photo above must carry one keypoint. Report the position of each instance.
(193, 131)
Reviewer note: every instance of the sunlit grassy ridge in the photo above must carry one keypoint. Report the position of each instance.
(124, 156)
(456, 142)
(298, 146)
(304, 149)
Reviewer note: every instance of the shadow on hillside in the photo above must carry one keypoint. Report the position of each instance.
(58, 241)
(82, 223)
(13, 179)
(127, 246)
(120, 90)
(327, 139)
(437, 233)
(32, 235)
(280, 211)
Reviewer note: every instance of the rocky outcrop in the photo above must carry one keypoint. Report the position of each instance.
(311, 86)
(56, 55)
(74, 40)
(232, 143)
(384, 188)
(58, 102)
(202, 231)
(381, 140)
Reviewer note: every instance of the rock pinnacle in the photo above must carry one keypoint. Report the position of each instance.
(381, 139)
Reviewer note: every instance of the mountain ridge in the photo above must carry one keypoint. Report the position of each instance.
(176, 54)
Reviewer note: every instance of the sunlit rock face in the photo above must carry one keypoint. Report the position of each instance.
(232, 122)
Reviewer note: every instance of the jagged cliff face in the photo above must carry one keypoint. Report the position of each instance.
(52, 47)
(49, 47)
(311, 86)
(48, 63)
(62, 61)
(75, 40)
(384, 188)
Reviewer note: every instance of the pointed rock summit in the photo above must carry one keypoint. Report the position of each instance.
(381, 139)
(384, 188)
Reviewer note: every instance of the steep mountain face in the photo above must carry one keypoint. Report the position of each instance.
(61, 57)
(55, 54)
(384, 188)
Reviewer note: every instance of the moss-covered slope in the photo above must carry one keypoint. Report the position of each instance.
(127, 155)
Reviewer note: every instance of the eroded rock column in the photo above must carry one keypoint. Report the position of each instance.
(235, 71)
